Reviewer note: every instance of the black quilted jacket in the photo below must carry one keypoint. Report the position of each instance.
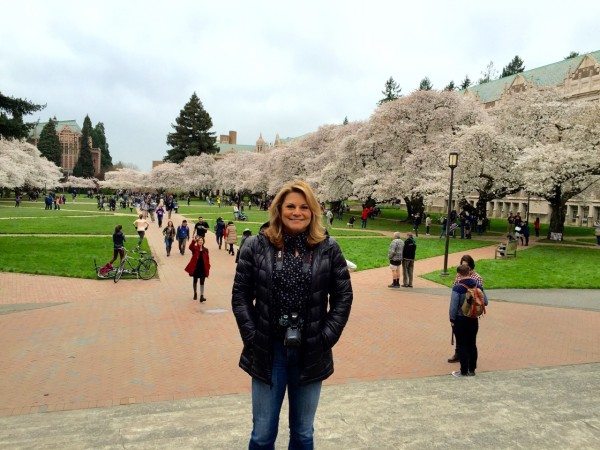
(326, 313)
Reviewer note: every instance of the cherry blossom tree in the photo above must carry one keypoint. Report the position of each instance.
(560, 143)
(22, 166)
(85, 183)
(167, 176)
(335, 169)
(125, 178)
(226, 173)
(486, 165)
(197, 173)
(400, 144)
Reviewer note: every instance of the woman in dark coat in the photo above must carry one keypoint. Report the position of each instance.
(199, 265)
(291, 298)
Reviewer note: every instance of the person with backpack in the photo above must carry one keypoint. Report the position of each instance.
(183, 234)
(469, 261)
(408, 260)
(467, 302)
(220, 231)
(395, 257)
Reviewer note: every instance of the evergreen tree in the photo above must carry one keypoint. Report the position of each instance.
(49, 145)
(515, 66)
(450, 86)
(572, 55)
(12, 111)
(345, 120)
(425, 84)
(85, 164)
(465, 83)
(488, 74)
(391, 91)
(191, 136)
(99, 141)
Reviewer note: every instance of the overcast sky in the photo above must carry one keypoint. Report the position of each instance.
(262, 66)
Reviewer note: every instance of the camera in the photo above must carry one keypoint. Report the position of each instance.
(293, 337)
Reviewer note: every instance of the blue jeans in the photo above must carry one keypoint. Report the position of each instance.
(267, 400)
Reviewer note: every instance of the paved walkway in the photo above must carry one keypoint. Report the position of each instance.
(71, 344)
(530, 408)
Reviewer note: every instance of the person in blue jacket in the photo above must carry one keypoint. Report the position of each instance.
(465, 328)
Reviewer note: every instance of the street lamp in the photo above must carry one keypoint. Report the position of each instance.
(452, 163)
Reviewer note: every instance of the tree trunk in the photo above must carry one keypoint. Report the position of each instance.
(558, 215)
(414, 205)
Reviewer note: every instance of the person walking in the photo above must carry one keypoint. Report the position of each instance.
(160, 212)
(169, 234)
(465, 328)
(536, 227)
(219, 231)
(427, 225)
(141, 225)
(408, 260)
(525, 233)
(364, 216)
(183, 235)
(201, 227)
(416, 223)
(469, 261)
(118, 245)
(329, 215)
(395, 257)
(230, 237)
(291, 298)
(199, 266)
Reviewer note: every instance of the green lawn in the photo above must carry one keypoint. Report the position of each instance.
(371, 253)
(41, 212)
(61, 256)
(56, 224)
(542, 267)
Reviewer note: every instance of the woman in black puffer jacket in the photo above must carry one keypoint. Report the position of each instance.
(291, 269)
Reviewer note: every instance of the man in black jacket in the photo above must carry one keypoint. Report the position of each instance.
(408, 260)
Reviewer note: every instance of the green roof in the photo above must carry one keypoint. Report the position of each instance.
(35, 132)
(234, 147)
(549, 75)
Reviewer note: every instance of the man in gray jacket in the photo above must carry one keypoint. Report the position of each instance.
(395, 257)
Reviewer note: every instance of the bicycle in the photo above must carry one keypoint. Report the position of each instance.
(144, 267)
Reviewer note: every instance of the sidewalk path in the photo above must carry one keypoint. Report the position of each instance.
(529, 408)
(93, 343)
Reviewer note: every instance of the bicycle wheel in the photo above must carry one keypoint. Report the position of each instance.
(119, 272)
(147, 269)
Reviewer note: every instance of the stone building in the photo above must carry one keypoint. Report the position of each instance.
(579, 80)
(69, 136)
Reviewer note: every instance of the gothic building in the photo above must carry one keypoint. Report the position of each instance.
(579, 80)
(69, 136)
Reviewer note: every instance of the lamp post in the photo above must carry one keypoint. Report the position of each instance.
(452, 163)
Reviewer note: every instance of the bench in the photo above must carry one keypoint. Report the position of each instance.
(506, 250)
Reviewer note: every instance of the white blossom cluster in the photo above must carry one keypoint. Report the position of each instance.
(23, 166)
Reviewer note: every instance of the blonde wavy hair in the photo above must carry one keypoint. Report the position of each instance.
(316, 232)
